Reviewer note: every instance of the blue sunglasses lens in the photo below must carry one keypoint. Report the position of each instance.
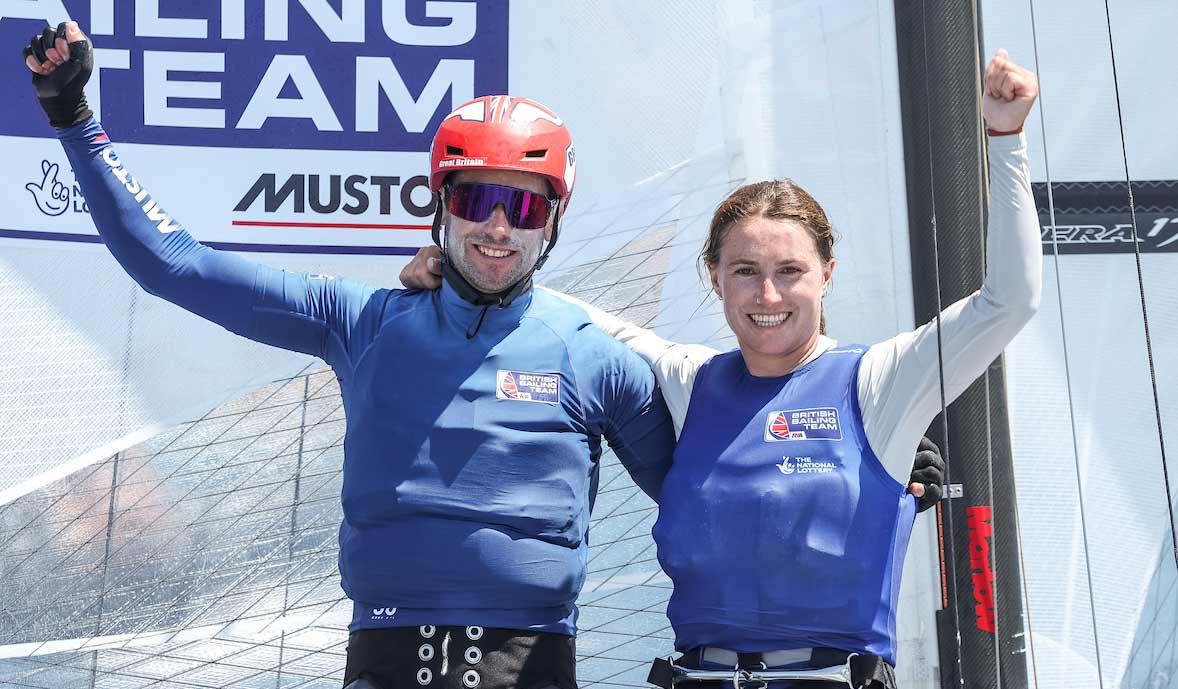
(525, 210)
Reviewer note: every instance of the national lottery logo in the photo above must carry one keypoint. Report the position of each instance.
(817, 423)
(54, 195)
(525, 386)
(806, 465)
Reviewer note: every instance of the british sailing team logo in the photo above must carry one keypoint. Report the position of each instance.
(819, 423)
(528, 387)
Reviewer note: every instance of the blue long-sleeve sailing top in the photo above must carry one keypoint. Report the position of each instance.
(469, 464)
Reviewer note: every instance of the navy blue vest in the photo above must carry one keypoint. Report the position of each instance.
(778, 525)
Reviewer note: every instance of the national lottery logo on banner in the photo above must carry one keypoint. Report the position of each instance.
(818, 423)
(53, 193)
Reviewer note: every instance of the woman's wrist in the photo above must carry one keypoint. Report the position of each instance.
(995, 132)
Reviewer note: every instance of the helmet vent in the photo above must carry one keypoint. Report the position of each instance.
(538, 153)
(454, 151)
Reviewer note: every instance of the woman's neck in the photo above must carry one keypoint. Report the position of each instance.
(774, 365)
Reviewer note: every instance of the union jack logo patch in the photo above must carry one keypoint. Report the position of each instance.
(525, 386)
(815, 423)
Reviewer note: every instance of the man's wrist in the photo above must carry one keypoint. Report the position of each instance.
(65, 112)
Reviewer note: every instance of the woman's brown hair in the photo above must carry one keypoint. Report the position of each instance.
(777, 199)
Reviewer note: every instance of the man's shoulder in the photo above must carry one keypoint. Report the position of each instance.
(569, 321)
(586, 343)
(556, 313)
(399, 301)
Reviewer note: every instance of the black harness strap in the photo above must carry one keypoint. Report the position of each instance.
(660, 673)
(867, 671)
(872, 672)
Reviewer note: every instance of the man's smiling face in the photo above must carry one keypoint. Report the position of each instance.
(492, 255)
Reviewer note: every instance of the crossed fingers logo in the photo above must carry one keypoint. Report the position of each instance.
(51, 195)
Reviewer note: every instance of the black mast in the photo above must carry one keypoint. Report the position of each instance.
(938, 46)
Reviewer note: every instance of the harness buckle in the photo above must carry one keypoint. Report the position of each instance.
(741, 679)
(847, 666)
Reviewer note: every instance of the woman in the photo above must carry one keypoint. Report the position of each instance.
(783, 521)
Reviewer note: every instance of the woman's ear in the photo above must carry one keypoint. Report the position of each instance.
(712, 274)
(827, 275)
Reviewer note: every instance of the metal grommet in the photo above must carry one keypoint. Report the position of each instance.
(471, 679)
(474, 633)
(424, 676)
(427, 631)
(473, 655)
(426, 652)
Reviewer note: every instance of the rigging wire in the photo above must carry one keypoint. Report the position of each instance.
(940, 358)
(1026, 592)
(1066, 360)
(1153, 376)
(981, 151)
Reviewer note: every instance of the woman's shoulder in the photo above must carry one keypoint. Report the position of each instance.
(705, 358)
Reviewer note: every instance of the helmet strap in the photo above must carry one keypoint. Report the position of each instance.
(439, 206)
(551, 242)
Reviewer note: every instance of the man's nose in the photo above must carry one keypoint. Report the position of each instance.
(498, 224)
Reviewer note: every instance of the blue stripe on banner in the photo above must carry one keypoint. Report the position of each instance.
(51, 236)
(229, 246)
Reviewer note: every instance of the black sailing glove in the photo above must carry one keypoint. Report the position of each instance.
(60, 90)
(928, 470)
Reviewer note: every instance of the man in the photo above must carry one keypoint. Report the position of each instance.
(475, 412)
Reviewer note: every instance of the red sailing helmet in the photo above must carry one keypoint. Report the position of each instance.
(504, 133)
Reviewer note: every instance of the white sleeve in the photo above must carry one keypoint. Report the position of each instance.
(674, 365)
(899, 382)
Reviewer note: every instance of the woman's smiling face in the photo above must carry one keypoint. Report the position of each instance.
(771, 280)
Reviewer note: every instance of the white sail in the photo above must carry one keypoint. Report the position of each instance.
(169, 492)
